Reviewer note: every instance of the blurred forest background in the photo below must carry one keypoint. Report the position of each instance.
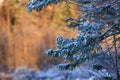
(25, 36)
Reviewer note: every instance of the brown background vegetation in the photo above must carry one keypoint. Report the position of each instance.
(25, 36)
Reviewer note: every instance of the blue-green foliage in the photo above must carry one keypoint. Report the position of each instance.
(75, 50)
(39, 4)
(100, 20)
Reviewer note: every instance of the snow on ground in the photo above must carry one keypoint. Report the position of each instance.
(80, 73)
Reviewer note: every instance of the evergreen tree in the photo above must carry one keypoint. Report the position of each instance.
(100, 20)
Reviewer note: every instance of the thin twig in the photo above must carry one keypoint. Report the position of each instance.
(116, 57)
(108, 30)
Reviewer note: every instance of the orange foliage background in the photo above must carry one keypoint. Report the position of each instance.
(25, 36)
